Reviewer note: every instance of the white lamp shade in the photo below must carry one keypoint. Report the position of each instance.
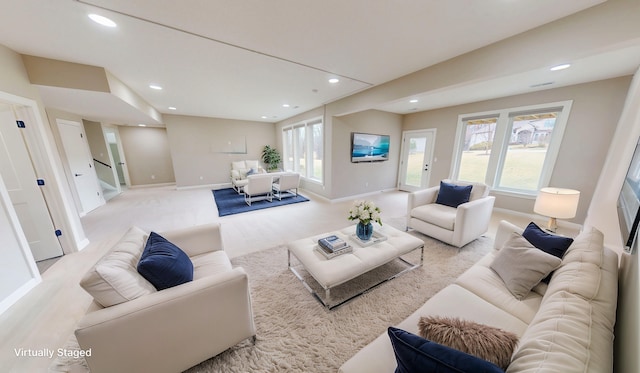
(557, 202)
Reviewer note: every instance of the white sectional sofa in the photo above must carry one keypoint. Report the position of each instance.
(566, 326)
(132, 327)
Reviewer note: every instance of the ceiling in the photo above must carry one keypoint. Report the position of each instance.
(246, 59)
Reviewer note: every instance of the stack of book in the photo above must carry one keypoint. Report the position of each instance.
(333, 246)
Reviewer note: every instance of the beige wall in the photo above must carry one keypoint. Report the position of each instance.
(350, 179)
(592, 122)
(55, 73)
(148, 155)
(203, 148)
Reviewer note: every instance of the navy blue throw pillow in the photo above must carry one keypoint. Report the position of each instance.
(453, 195)
(415, 354)
(163, 264)
(547, 242)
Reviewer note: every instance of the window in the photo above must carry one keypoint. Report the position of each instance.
(303, 149)
(511, 150)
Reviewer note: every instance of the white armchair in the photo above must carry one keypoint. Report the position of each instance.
(259, 187)
(456, 226)
(135, 328)
(286, 183)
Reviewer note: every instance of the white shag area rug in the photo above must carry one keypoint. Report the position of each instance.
(295, 333)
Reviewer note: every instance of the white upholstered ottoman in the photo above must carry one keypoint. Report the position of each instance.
(330, 273)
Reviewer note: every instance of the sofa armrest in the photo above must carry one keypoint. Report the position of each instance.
(472, 219)
(419, 198)
(171, 330)
(423, 197)
(504, 232)
(198, 239)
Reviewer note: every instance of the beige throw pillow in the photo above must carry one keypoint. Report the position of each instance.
(522, 266)
(115, 279)
(483, 341)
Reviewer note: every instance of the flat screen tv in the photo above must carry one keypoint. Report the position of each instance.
(366, 147)
(629, 202)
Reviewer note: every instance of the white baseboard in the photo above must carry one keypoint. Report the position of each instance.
(19, 293)
(361, 196)
(151, 185)
(208, 186)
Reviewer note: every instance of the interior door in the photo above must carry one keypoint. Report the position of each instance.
(27, 199)
(115, 145)
(80, 164)
(417, 156)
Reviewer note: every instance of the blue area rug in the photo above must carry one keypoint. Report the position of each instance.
(229, 202)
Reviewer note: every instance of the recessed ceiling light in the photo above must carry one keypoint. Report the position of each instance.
(104, 21)
(286, 105)
(264, 117)
(142, 125)
(172, 108)
(561, 67)
(155, 86)
(413, 101)
(334, 80)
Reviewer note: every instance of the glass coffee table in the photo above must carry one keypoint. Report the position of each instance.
(391, 245)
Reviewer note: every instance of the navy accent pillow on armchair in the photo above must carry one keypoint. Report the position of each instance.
(163, 264)
(415, 354)
(453, 195)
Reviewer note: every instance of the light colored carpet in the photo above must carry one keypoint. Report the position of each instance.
(296, 334)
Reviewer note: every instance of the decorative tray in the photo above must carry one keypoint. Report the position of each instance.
(376, 238)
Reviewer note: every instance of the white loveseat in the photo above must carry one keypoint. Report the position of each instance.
(146, 330)
(241, 169)
(565, 327)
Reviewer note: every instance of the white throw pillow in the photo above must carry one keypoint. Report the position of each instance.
(115, 279)
(252, 164)
(237, 165)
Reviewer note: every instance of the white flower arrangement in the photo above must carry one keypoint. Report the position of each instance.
(365, 212)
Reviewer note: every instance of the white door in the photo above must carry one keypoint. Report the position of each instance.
(417, 155)
(20, 180)
(80, 164)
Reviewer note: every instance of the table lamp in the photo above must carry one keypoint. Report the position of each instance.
(556, 203)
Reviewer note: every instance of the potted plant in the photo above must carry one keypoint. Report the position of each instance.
(271, 158)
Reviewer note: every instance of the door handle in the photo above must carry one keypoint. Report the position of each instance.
(76, 175)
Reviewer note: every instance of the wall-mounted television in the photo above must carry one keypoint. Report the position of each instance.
(367, 147)
(629, 203)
